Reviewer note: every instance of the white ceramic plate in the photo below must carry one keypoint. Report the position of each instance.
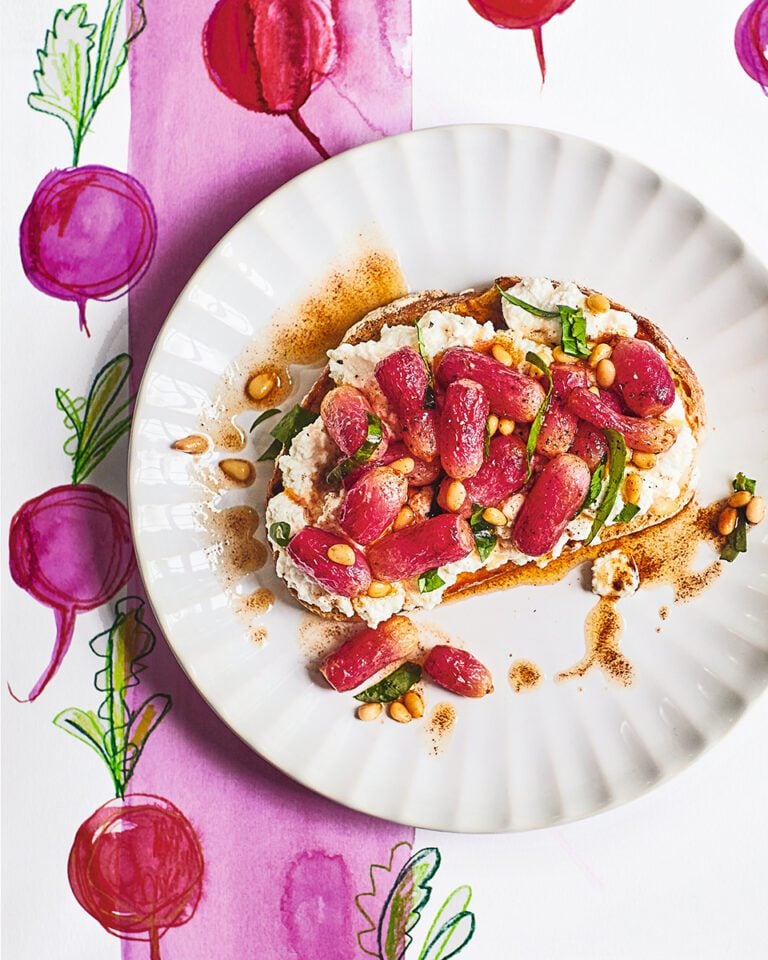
(459, 206)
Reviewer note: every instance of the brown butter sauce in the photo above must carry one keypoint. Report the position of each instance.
(524, 675)
(602, 631)
(439, 724)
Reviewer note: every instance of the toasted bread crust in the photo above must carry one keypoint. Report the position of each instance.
(486, 306)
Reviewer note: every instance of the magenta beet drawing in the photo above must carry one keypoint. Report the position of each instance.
(136, 864)
(70, 548)
(523, 15)
(89, 232)
(752, 42)
(269, 55)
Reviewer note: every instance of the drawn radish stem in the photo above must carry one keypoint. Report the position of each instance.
(523, 15)
(136, 864)
(269, 55)
(70, 548)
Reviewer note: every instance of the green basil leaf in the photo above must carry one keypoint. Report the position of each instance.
(393, 686)
(483, 532)
(429, 393)
(430, 580)
(595, 485)
(626, 513)
(736, 541)
(286, 429)
(573, 335)
(536, 311)
(617, 459)
(743, 482)
(533, 434)
(363, 453)
(262, 417)
(487, 440)
(280, 533)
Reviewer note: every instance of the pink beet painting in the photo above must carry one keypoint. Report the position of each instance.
(752, 42)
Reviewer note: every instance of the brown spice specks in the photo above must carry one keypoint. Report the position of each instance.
(235, 549)
(256, 604)
(440, 723)
(524, 675)
(602, 632)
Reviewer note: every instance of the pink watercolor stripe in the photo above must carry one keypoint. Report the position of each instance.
(281, 863)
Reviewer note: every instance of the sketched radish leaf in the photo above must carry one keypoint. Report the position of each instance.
(63, 73)
(112, 52)
(85, 726)
(402, 909)
(454, 926)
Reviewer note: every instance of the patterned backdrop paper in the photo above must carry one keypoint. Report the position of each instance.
(217, 123)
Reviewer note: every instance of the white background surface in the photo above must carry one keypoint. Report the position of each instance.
(680, 873)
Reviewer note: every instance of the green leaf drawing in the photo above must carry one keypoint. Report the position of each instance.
(63, 73)
(70, 81)
(117, 732)
(98, 422)
(407, 898)
(371, 903)
(453, 924)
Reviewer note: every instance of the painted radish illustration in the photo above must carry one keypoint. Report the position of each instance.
(89, 232)
(752, 42)
(70, 548)
(136, 864)
(523, 15)
(270, 55)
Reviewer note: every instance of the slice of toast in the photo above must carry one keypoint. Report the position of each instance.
(487, 306)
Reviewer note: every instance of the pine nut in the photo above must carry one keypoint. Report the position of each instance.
(455, 495)
(644, 461)
(506, 427)
(739, 499)
(368, 711)
(261, 385)
(495, 517)
(597, 303)
(241, 471)
(562, 357)
(595, 390)
(404, 518)
(727, 521)
(633, 487)
(601, 352)
(403, 466)
(399, 712)
(756, 510)
(379, 589)
(492, 424)
(194, 444)
(342, 554)
(501, 354)
(414, 704)
(605, 373)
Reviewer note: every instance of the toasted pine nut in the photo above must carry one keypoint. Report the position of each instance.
(379, 589)
(727, 521)
(633, 487)
(492, 423)
(404, 518)
(342, 554)
(241, 471)
(495, 517)
(601, 352)
(194, 444)
(739, 499)
(403, 466)
(399, 712)
(455, 495)
(506, 427)
(643, 461)
(562, 357)
(414, 704)
(597, 303)
(261, 385)
(501, 354)
(605, 373)
(595, 390)
(368, 711)
(756, 510)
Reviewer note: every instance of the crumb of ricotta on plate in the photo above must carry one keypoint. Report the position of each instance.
(614, 575)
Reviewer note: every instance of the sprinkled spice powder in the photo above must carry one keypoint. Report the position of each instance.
(524, 675)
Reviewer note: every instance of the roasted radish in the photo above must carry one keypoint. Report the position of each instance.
(648, 436)
(501, 475)
(462, 428)
(373, 503)
(458, 671)
(404, 380)
(422, 546)
(511, 393)
(309, 551)
(369, 651)
(553, 500)
(345, 416)
(642, 377)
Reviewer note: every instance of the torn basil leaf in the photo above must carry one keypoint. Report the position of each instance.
(743, 482)
(573, 336)
(393, 686)
(617, 460)
(286, 429)
(533, 434)
(429, 393)
(363, 453)
(529, 307)
(595, 485)
(280, 533)
(430, 580)
(483, 532)
(262, 417)
(487, 440)
(626, 513)
(736, 541)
